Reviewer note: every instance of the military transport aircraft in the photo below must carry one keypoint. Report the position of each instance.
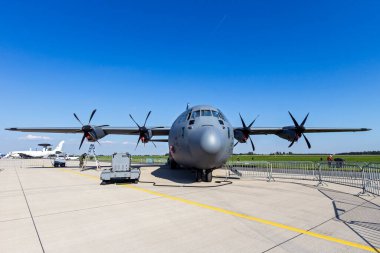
(200, 138)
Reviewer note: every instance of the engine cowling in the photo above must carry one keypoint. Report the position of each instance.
(288, 133)
(145, 135)
(95, 134)
(240, 136)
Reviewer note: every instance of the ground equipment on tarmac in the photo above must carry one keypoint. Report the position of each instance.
(121, 169)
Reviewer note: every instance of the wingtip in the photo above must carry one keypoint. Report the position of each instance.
(11, 129)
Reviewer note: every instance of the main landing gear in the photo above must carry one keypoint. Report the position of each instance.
(203, 175)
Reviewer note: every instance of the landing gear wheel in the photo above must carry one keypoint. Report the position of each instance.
(208, 176)
(199, 175)
(173, 164)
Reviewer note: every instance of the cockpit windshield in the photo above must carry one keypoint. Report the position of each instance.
(205, 113)
(210, 113)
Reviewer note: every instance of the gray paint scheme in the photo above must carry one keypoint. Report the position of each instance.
(204, 142)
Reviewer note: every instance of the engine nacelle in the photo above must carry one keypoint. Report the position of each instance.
(95, 134)
(240, 136)
(288, 133)
(146, 135)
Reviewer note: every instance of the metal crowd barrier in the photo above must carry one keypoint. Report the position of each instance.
(149, 160)
(359, 175)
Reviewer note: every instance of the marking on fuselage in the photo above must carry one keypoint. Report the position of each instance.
(240, 215)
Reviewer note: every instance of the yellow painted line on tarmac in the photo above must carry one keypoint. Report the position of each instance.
(240, 215)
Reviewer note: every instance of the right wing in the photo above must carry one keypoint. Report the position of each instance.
(63, 130)
(107, 130)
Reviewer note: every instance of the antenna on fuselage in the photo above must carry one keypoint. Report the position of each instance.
(45, 146)
(187, 106)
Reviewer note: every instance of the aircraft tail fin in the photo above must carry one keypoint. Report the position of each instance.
(59, 146)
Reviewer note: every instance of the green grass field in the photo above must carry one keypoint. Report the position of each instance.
(269, 158)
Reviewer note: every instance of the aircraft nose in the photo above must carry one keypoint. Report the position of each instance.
(210, 141)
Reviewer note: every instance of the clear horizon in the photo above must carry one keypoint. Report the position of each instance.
(249, 57)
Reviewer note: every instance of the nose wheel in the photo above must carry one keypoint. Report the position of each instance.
(204, 175)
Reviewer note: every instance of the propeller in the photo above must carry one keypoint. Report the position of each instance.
(245, 130)
(299, 130)
(143, 132)
(88, 130)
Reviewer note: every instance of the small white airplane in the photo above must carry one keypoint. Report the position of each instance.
(44, 153)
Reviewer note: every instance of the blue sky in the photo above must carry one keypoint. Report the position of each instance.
(253, 57)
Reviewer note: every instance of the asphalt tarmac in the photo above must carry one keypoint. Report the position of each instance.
(46, 209)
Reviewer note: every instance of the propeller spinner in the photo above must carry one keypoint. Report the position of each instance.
(244, 132)
(145, 134)
(299, 130)
(88, 130)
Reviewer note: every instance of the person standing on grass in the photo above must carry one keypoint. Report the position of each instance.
(329, 160)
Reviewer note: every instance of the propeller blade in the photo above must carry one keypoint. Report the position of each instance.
(291, 144)
(78, 119)
(92, 115)
(307, 141)
(303, 122)
(294, 120)
(253, 146)
(153, 144)
(242, 121)
(147, 116)
(236, 144)
(137, 143)
(134, 120)
(82, 141)
(249, 126)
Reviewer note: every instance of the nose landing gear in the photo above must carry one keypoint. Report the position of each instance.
(204, 175)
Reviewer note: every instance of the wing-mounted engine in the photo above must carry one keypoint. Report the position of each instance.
(90, 132)
(145, 134)
(242, 134)
(294, 133)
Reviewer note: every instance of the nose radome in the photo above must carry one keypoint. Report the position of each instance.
(210, 141)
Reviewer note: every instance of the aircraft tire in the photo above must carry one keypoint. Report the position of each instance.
(199, 175)
(208, 176)
(173, 164)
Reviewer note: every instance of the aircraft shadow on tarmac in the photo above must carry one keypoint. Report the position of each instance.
(358, 214)
(180, 175)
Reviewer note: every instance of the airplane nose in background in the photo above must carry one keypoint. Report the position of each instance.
(210, 141)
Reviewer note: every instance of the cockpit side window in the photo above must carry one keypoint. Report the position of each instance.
(221, 116)
(195, 114)
(215, 114)
(188, 115)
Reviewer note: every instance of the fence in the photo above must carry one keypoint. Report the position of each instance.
(359, 175)
(137, 160)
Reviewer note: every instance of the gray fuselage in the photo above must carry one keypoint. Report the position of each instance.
(201, 138)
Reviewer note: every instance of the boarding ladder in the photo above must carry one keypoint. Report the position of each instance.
(91, 153)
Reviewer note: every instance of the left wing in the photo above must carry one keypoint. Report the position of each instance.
(279, 130)
(290, 133)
